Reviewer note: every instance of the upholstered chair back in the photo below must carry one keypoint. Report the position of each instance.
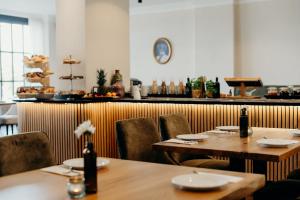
(135, 138)
(24, 152)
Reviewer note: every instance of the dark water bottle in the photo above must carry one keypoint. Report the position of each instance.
(90, 168)
(244, 123)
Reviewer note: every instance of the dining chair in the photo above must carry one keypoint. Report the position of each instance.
(287, 189)
(10, 118)
(176, 124)
(135, 138)
(24, 152)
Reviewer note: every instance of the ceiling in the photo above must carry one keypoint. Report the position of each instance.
(45, 7)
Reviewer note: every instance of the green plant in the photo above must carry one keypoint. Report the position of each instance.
(198, 83)
(101, 78)
(210, 87)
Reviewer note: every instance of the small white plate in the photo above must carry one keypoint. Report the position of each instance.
(228, 128)
(77, 163)
(276, 142)
(197, 137)
(295, 132)
(198, 182)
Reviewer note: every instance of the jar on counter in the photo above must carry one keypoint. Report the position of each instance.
(272, 91)
(296, 91)
(284, 92)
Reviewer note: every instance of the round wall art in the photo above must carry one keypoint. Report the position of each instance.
(162, 50)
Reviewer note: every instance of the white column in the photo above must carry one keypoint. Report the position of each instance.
(70, 40)
(107, 39)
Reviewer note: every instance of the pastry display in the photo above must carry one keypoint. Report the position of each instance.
(71, 61)
(36, 61)
(70, 77)
(42, 77)
(72, 94)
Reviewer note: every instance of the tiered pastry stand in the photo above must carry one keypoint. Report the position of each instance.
(70, 61)
(44, 67)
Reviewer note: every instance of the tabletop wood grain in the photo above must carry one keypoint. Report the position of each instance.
(231, 145)
(125, 180)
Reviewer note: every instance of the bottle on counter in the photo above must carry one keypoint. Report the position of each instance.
(181, 89)
(244, 123)
(154, 87)
(163, 88)
(117, 83)
(217, 89)
(172, 88)
(188, 88)
(90, 168)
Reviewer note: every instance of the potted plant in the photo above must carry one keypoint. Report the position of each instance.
(196, 88)
(101, 80)
(210, 89)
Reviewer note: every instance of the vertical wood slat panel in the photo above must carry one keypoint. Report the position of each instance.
(60, 120)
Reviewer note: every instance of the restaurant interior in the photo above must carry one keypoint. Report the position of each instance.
(149, 99)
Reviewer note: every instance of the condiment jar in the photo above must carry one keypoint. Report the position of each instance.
(272, 91)
(284, 92)
(296, 91)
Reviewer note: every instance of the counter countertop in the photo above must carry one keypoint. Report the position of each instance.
(262, 101)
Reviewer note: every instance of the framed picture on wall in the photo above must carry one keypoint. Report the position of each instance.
(162, 50)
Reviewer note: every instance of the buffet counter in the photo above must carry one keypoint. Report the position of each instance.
(262, 101)
(59, 118)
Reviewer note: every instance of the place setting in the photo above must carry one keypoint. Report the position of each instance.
(276, 142)
(202, 181)
(188, 139)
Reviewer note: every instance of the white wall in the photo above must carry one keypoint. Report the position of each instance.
(107, 39)
(179, 28)
(70, 40)
(269, 41)
(249, 38)
(215, 43)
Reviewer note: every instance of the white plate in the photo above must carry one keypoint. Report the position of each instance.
(295, 132)
(228, 128)
(77, 163)
(196, 137)
(198, 182)
(276, 142)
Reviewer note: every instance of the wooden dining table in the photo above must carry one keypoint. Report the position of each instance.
(239, 149)
(123, 179)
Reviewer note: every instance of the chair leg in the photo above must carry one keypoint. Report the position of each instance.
(12, 129)
(6, 129)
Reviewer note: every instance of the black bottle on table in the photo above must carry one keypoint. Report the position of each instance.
(90, 168)
(244, 123)
(188, 88)
(217, 89)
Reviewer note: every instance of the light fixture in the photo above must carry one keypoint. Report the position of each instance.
(140, 1)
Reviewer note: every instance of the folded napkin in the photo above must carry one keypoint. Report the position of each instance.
(62, 170)
(230, 179)
(177, 141)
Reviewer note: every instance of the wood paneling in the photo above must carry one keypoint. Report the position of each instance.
(60, 120)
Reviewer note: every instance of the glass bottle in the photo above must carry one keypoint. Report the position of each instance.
(188, 88)
(217, 89)
(163, 88)
(90, 167)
